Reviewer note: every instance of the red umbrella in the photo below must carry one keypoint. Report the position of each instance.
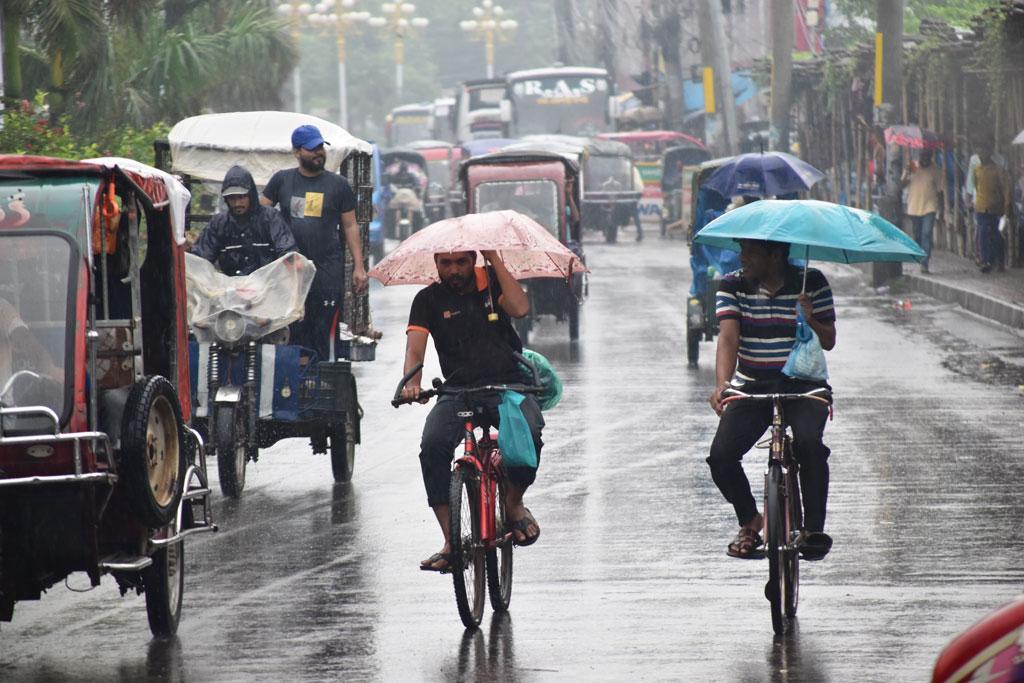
(526, 248)
(913, 137)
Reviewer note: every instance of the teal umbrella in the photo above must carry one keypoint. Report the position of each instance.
(819, 231)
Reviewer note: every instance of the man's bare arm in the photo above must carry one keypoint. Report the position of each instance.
(725, 359)
(415, 351)
(354, 241)
(513, 297)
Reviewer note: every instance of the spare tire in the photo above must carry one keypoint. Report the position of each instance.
(152, 458)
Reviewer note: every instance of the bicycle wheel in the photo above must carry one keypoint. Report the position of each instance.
(499, 560)
(792, 527)
(775, 589)
(467, 546)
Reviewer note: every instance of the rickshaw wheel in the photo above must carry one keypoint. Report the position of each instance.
(574, 321)
(693, 346)
(343, 451)
(611, 232)
(164, 584)
(231, 452)
(151, 458)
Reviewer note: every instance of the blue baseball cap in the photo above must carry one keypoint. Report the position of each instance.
(307, 137)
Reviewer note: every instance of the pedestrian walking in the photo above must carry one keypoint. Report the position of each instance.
(924, 199)
(991, 203)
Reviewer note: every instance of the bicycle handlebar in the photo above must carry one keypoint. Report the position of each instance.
(821, 394)
(439, 388)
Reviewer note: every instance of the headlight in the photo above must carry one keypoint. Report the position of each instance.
(229, 327)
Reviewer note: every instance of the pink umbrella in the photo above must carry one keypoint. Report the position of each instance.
(526, 248)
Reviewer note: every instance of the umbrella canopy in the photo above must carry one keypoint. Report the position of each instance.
(526, 247)
(914, 137)
(1019, 140)
(770, 173)
(818, 230)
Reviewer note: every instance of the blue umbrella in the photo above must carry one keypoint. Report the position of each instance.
(817, 230)
(761, 175)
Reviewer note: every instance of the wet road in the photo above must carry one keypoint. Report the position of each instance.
(312, 581)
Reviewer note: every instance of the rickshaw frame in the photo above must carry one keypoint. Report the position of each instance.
(84, 464)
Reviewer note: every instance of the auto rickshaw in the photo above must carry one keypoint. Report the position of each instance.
(678, 166)
(707, 264)
(250, 389)
(648, 146)
(99, 470)
(442, 159)
(609, 200)
(405, 175)
(535, 184)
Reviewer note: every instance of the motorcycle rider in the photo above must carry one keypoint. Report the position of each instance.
(248, 235)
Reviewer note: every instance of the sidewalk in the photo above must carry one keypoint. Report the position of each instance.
(954, 279)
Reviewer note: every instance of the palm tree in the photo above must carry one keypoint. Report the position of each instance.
(114, 62)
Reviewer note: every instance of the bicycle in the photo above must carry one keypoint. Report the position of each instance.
(481, 542)
(783, 510)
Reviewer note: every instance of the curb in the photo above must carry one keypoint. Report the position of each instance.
(1006, 313)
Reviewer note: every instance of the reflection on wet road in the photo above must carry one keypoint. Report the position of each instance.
(312, 581)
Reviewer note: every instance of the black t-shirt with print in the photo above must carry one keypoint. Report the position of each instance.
(312, 207)
(472, 350)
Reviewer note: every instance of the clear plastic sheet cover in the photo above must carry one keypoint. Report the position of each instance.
(229, 308)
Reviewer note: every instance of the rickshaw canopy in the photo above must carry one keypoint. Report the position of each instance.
(206, 146)
(156, 188)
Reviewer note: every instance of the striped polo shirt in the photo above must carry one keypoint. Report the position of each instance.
(768, 321)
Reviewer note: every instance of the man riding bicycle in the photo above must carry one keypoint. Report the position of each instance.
(756, 310)
(468, 313)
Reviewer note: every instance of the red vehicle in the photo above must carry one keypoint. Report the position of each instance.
(648, 148)
(992, 650)
(535, 184)
(99, 471)
(442, 177)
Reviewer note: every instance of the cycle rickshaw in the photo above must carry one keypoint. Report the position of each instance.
(251, 388)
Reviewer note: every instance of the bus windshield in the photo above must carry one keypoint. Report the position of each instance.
(576, 105)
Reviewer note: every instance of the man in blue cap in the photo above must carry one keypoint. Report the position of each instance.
(318, 206)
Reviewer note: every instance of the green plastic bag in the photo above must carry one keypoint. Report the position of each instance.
(514, 437)
(549, 379)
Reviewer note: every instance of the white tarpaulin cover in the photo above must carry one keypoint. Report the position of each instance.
(206, 146)
(228, 308)
(178, 195)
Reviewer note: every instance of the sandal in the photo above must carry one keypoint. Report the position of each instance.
(746, 545)
(521, 525)
(427, 565)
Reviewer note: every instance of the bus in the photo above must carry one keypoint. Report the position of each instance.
(409, 122)
(478, 109)
(567, 100)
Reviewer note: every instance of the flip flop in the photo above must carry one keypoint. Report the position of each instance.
(521, 525)
(428, 564)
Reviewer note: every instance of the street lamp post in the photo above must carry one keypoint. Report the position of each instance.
(398, 20)
(488, 25)
(343, 22)
(296, 12)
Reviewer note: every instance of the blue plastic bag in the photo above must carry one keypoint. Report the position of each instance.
(806, 359)
(514, 436)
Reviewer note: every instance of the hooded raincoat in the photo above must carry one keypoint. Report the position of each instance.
(238, 245)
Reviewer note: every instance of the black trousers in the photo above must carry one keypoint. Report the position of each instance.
(316, 328)
(444, 430)
(744, 422)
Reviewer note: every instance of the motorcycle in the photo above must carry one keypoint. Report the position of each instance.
(253, 388)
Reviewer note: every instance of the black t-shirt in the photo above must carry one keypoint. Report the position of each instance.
(472, 349)
(312, 207)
